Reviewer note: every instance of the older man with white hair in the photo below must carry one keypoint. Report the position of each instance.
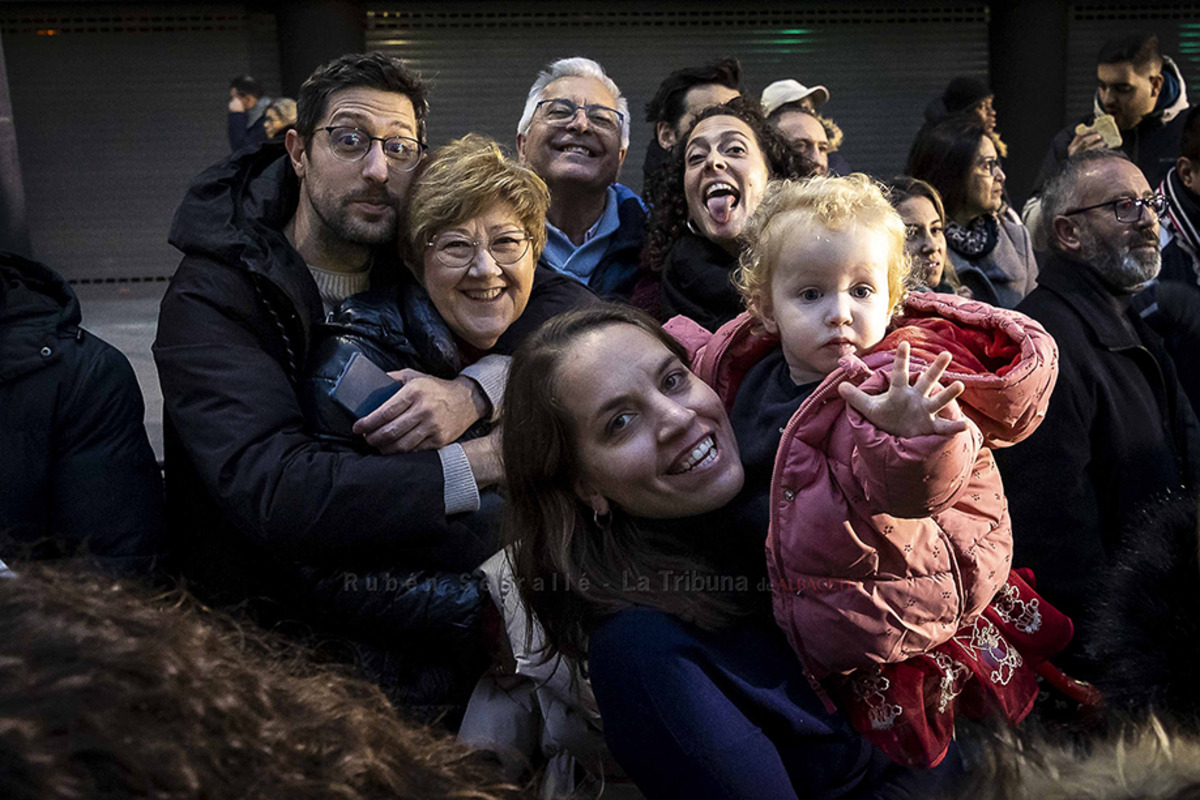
(574, 134)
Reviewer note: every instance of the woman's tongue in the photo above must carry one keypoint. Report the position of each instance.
(720, 206)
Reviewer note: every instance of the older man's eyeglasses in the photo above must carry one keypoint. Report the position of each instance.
(1129, 209)
(457, 251)
(559, 112)
(348, 143)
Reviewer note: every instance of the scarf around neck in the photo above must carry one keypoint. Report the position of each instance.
(1183, 215)
(976, 239)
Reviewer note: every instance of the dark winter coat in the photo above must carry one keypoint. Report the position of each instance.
(259, 505)
(1117, 435)
(1153, 144)
(247, 128)
(1172, 309)
(1148, 623)
(77, 471)
(697, 282)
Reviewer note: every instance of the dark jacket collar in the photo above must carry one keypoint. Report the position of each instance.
(235, 211)
(1081, 288)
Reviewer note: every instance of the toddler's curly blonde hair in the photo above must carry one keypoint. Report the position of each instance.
(835, 203)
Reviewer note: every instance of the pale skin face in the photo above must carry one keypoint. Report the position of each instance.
(348, 207)
(985, 188)
(1127, 94)
(576, 153)
(651, 438)
(272, 124)
(829, 299)
(480, 301)
(725, 177)
(828, 295)
(697, 99)
(805, 134)
(926, 242)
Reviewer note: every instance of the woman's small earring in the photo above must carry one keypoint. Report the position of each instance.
(691, 226)
(602, 521)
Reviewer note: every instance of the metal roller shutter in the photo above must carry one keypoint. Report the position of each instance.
(116, 108)
(881, 64)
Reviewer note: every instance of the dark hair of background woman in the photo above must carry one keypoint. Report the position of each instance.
(108, 691)
(569, 569)
(943, 155)
(664, 191)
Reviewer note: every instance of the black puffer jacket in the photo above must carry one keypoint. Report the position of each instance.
(77, 471)
(397, 327)
(259, 505)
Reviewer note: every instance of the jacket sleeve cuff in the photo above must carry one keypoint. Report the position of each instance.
(458, 481)
(491, 373)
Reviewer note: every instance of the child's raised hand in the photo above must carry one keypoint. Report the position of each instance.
(904, 410)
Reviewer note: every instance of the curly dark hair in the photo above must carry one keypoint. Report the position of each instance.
(107, 690)
(664, 191)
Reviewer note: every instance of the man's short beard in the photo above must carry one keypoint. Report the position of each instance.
(1124, 270)
(348, 230)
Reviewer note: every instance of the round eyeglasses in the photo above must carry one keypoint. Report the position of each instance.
(560, 111)
(348, 143)
(457, 251)
(1129, 209)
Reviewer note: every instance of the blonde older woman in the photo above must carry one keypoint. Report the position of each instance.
(471, 291)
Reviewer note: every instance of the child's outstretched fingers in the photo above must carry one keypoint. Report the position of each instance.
(905, 410)
(941, 399)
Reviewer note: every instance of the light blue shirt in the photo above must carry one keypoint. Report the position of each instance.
(579, 262)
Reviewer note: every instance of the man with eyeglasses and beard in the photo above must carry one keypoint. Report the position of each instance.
(259, 504)
(1119, 432)
(574, 134)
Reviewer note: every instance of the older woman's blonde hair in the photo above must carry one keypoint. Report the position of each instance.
(464, 179)
(834, 203)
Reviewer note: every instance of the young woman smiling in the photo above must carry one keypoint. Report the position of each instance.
(620, 465)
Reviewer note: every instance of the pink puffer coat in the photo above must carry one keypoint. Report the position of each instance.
(881, 547)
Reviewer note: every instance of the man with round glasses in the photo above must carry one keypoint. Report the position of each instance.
(1119, 432)
(574, 134)
(259, 503)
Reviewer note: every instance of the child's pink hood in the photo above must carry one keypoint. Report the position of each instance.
(882, 547)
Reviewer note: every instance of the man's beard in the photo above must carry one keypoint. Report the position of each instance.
(347, 229)
(1123, 269)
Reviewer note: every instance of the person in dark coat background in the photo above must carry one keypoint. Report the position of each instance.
(78, 474)
(246, 123)
(1119, 432)
(1147, 96)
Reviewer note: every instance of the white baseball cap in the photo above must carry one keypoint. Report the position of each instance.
(789, 91)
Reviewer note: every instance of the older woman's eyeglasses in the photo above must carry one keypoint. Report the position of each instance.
(559, 112)
(991, 166)
(1129, 209)
(457, 251)
(351, 144)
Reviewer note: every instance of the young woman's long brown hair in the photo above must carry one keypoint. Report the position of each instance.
(571, 569)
